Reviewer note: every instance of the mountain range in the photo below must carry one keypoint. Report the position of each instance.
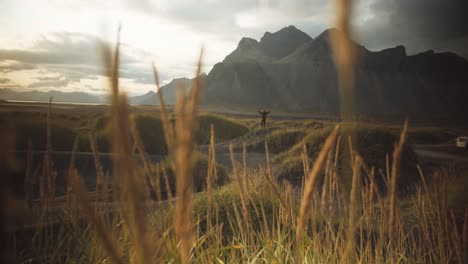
(290, 70)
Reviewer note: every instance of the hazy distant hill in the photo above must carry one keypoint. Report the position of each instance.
(151, 98)
(169, 92)
(148, 98)
(288, 69)
(58, 96)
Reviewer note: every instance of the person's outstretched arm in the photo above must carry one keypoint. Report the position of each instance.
(259, 112)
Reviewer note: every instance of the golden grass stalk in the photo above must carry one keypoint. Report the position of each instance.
(211, 176)
(344, 56)
(326, 183)
(353, 207)
(142, 153)
(244, 167)
(184, 145)
(71, 189)
(267, 154)
(167, 183)
(168, 129)
(47, 178)
(243, 193)
(98, 167)
(274, 187)
(128, 184)
(132, 183)
(387, 167)
(106, 236)
(310, 184)
(269, 177)
(396, 161)
(306, 167)
(28, 184)
(156, 184)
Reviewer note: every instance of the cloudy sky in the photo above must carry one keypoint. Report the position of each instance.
(54, 44)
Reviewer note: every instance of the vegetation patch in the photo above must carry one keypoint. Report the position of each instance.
(200, 173)
(373, 143)
(152, 135)
(62, 137)
(279, 141)
(225, 129)
(291, 170)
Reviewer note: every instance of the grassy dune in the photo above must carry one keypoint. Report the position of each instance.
(346, 205)
(374, 145)
(65, 128)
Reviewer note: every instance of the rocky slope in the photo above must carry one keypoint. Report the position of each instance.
(290, 70)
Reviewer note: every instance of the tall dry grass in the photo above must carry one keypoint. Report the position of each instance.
(253, 219)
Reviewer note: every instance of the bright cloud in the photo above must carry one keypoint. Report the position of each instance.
(56, 44)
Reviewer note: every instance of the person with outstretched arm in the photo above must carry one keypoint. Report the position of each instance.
(264, 114)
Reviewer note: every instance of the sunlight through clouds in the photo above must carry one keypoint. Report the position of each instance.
(61, 37)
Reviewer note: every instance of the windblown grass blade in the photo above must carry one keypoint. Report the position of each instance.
(310, 185)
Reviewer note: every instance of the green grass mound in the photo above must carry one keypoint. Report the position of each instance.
(291, 170)
(279, 141)
(457, 180)
(62, 137)
(225, 129)
(226, 198)
(149, 127)
(199, 175)
(152, 135)
(372, 143)
(225, 211)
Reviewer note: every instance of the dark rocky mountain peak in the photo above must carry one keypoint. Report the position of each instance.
(272, 46)
(247, 43)
(281, 43)
(326, 35)
(150, 93)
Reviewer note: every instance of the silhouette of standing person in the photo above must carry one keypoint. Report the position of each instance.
(264, 114)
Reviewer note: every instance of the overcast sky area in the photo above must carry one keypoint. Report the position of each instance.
(55, 44)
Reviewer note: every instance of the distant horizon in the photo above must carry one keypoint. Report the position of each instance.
(103, 92)
(57, 45)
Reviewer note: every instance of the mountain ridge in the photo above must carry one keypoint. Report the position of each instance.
(288, 69)
(388, 82)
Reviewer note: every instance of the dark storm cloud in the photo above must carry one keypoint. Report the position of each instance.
(62, 48)
(418, 24)
(432, 20)
(219, 17)
(4, 80)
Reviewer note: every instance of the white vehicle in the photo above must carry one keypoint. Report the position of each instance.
(462, 142)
